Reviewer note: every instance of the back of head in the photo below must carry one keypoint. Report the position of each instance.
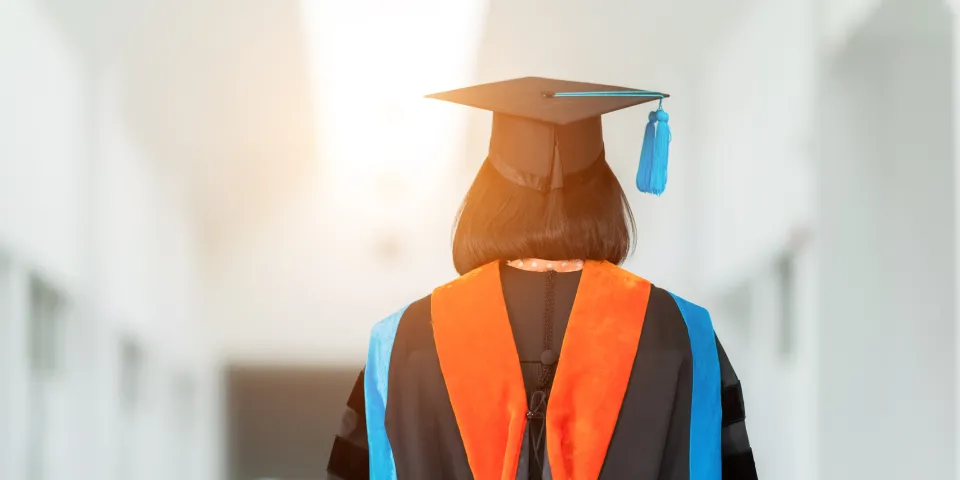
(545, 190)
(589, 218)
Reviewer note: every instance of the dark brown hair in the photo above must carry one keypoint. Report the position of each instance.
(589, 218)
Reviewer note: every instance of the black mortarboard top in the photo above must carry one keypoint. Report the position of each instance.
(546, 131)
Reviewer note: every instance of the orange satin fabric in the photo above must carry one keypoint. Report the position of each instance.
(481, 369)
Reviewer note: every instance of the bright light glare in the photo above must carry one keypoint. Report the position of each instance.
(372, 67)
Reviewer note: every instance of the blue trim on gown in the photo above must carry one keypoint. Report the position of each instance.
(705, 409)
(382, 336)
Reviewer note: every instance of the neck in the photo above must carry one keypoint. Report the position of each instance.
(541, 265)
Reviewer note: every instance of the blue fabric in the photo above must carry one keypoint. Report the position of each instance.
(382, 466)
(611, 93)
(705, 408)
(661, 153)
(645, 170)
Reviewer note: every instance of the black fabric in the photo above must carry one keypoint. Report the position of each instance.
(539, 141)
(349, 457)
(353, 423)
(348, 461)
(525, 97)
(734, 439)
(554, 175)
(545, 151)
(652, 435)
(524, 295)
(355, 401)
(652, 438)
(420, 423)
(740, 467)
(538, 327)
(518, 177)
(728, 376)
(731, 400)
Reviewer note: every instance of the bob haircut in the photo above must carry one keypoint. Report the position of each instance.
(587, 219)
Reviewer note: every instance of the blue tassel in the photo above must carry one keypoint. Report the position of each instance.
(652, 174)
(661, 153)
(646, 154)
(652, 171)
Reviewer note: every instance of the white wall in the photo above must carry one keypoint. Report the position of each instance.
(861, 157)
(41, 195)
(42, 152)
(954, 10)
(754, 114)
(752, 201)
(95, 217)
(887, 314)
(307, 285)
(839, 20)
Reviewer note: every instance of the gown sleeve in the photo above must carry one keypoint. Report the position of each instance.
(737, 454)
(349, 458)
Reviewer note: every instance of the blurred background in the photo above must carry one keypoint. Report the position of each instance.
(206, 204)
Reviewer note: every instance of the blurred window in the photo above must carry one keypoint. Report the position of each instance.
(131, 371)
(182, 427)
(786, 286)
(132, 367)
(46, 347)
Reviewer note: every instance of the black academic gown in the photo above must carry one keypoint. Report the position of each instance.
(652, 435)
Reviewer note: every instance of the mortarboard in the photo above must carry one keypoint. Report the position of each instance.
(546, 131)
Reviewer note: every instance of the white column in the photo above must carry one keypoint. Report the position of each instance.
(954, 8)
(887, 244)
(6, 324)
(13, 370)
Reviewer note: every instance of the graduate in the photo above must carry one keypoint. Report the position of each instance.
(545, 359)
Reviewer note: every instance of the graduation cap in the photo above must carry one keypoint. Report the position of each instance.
(546, 131)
